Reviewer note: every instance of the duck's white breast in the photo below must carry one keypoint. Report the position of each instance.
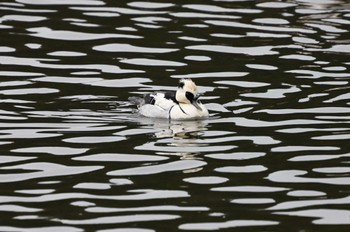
(187, 111)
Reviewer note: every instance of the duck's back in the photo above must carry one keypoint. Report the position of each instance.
(157, 105)
(162, 100)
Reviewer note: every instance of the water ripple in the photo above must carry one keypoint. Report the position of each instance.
(274, 76)
(120, 219)
(251, 51)
(118, 47)
(226, 224)
(43, 169)
(325, 216)
(298, 176)
(52, 150)
(181, 165)
(48, 33)
(62, 2)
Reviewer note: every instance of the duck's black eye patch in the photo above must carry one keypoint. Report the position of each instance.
(189, 96)
(181, 84)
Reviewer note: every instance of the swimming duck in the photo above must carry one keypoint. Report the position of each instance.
(180, 105)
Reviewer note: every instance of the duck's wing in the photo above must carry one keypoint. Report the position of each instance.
(150, 98)
(162, 100)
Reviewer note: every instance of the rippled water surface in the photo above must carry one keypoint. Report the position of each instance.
(273, 155)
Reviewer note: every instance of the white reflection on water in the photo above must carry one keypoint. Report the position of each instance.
(18, 208)
(254, 189)
(332, 137)
(303, 148)
(298, 176)
(150, 5)
(42, 63)
(115, 157)
(42, 169)
(185, 147)
(253, 201)
(27, 133)
(226, 224)
(133, 195)
(219, 9)
(48, 33)
(212, 74)
(120, 47)
(145, 209)
(121, 10)
(306, 203)
(120, 219)
(52, 150)
(62, 2)
(94, 139)
(202, 15)
(26, 91)
(180, 165)
(236, 155)
(241, 169)
(67, 54)
(311, 74)
(22, 18)
(10, 159)
(306, 193)
(273, 93)
(275, 5)
(91, 185)
(96, 81)
(325, 216)
(41, 229)
(251, 51)
(248, 122)
(206, 180)
(152, 62)
(259, 27)
(338, 48)
(316, 110)
(304, 158)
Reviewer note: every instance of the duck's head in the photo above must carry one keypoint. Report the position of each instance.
(187, 93)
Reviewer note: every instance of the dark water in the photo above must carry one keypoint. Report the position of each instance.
(273, 156)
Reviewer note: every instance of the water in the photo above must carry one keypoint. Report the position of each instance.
(273, 156)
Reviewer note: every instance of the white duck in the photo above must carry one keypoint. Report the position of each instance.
(180, 105)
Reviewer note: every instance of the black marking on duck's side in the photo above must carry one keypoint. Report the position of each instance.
(170, 111)
(182, 109)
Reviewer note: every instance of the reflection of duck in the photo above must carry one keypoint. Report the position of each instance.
(180, 129)
(179, 138)
(180, 105)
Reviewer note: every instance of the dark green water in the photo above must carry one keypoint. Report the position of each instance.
(273, 156)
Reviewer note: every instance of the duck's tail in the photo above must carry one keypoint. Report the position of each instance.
(137, 101)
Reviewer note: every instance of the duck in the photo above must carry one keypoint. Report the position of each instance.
(183, 104)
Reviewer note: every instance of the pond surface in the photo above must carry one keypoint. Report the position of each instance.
(273, 155)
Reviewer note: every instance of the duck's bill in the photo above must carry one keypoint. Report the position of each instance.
(196, 104)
